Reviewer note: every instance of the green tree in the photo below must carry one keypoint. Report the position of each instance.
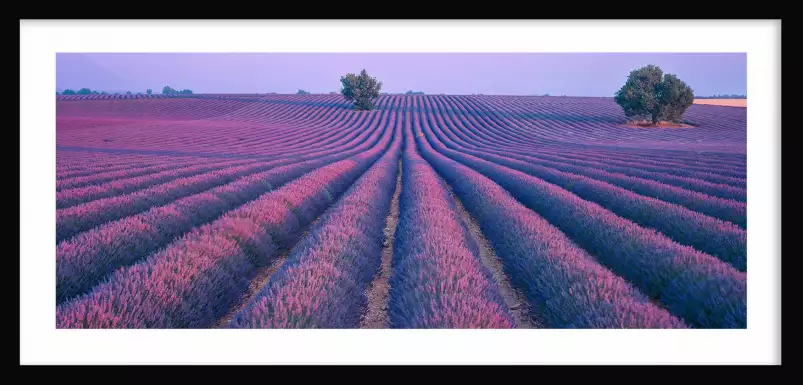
(302, 92)
(674, 97)
(68, 92)
(84, 91)
(360, 89)
(167, 90)
(649, 93)
(149, 91)
(128, 92)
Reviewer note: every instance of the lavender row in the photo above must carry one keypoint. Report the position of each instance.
(705, 187)
(698, 287)
(82, 261)
(724, 209)
(472, 129)
(75, 196)
(75, 219)
(719, 190)
(716, 237)
(438, 280)
(322, 284)
(567, 287)
(193, 281)
(512, 141)
(89, 256)
(127, 172)
(104, 163)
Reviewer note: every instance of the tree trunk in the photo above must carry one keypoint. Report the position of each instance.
(654, 118)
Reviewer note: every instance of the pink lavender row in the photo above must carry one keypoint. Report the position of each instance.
(322, 284)
(567, 287)
(196, 279)
(291, 147)
(298, 136)
(88, 164)
(75, 196)
(128, 172)
(102, 168)
(207, 135)
(721, 239)
(75, 219)
(69, 159)
(83, 260)
(132, 172)
(724, 209)
(698, 287)
(438, 280)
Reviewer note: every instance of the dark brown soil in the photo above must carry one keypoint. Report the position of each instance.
(376, 315)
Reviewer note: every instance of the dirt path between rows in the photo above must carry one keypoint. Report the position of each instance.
(376, 315)
(514, 299)
(261, 278)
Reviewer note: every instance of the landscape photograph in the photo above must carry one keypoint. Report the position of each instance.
(401, 190)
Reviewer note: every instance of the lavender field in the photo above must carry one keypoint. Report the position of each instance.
(431, 211)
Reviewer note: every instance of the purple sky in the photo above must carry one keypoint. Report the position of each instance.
(573, 74)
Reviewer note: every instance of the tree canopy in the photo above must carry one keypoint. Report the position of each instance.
(167, 90)
(360, 89)
(650, 93)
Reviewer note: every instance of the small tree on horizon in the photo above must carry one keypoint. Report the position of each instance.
(68, 92)
(650, 93)
(84, 91)
(360, 89)
(149, 91)
(302, 92)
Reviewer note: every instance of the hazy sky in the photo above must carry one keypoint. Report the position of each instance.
(573, 74)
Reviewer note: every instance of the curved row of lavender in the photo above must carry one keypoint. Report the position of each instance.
(197, 278)
(438, 279)
(323, 282)
(169, 207)
(83, 260)
(567, 286)
(703, 290)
